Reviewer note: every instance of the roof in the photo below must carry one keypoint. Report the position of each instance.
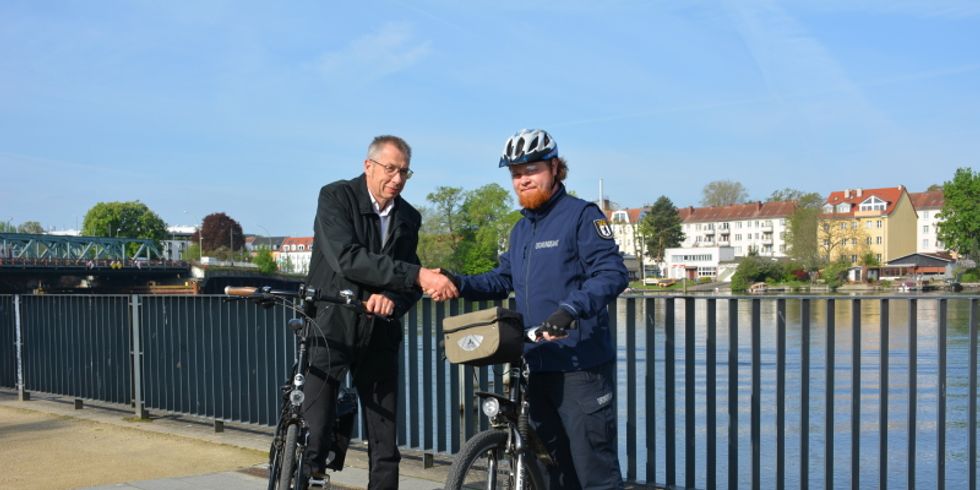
(305, 240)
(920, 259)
(633, 214)
(891, 196)
(734, 212)
(927, 200)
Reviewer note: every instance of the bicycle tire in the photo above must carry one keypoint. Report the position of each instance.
(471, 464)
(287, 463)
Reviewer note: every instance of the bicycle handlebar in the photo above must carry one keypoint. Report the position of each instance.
(306, 293)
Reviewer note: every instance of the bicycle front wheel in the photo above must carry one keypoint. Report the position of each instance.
(484, 462)
(284, 471)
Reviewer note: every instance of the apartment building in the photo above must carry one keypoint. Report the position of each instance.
(294, 255)
(759, 227)
(927, 205)
(854, 222)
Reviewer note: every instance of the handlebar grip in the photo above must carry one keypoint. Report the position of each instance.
(243, 291)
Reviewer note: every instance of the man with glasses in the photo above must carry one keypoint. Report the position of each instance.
(365, 240)
(563, 267)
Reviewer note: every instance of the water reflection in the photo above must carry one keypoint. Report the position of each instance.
(870, 335)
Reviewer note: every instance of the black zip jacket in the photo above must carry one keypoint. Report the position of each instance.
(347, 254)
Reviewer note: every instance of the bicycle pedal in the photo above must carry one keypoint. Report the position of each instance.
(319, 482)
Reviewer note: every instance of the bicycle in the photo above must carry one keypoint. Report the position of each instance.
(510, 454)
(292, 433)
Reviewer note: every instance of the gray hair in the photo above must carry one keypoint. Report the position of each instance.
(387, 139)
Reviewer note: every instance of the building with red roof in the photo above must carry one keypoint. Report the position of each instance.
(855, 222)
(294, 255)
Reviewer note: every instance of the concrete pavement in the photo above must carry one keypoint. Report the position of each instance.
(243, 448)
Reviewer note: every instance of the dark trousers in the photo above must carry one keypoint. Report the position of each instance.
(375, 373)
(575, 415)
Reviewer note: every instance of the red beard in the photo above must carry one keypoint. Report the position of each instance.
(535, 198)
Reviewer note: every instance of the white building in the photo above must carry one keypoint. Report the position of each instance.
(927, 205)
(696, 262)
(294, 255)
(743, 227)
(179, 238)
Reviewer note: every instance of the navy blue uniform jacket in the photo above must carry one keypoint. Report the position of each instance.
(561, 255)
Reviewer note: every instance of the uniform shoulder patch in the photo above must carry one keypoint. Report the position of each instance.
(603, 229)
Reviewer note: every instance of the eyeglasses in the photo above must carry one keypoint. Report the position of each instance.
(390, 170)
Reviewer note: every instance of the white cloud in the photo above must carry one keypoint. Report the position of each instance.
(394, 47)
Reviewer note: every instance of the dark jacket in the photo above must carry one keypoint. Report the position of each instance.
(347, 254)
(561, 255)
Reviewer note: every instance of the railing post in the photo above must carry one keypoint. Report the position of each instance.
(913, 397)
(22, 393)
(137, 356)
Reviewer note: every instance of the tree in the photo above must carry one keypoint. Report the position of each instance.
(661, 228)
(801, 231)
(723, 193)
(787, 194)
(131, 219)
(960, 225)
(440, 235)
(218, 230)
(30, 227)
(487, 217)
(837, 239)
(934, 187)
(265, 262)
(7, 227)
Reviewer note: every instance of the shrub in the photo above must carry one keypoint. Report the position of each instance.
(835, 273)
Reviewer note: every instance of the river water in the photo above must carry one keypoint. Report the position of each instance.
(927, 382)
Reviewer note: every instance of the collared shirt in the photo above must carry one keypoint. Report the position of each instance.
(384, 214)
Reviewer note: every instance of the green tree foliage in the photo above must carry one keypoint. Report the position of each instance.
(440, 228)
(30, 227)
(7, 227)
(870, 259)
(131, 219)
(661, 228)
(265, 262)
(960, 225)
(487, 218)
(753, 269)
(218, 230)
(191, 253)
(835, 273)
(801, 230)
(934, 187)
(785, 194)
(466, 230)
(723, 193)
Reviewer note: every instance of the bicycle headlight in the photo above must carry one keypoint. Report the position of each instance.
(491, 407)
(296, 397)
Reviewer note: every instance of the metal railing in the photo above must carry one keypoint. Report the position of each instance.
(714, 391)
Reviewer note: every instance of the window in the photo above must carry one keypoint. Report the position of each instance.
(738, 250)
(843, 207)
(878, 224)
(877, 240)
(854, 225)
(843, 226)
(925, 243)
(854, 241)
(867, 241)
(826, 228)
(826, 243)
(782, 235)
(878, 256)
(738, 224)
(925, 228)
(738, 237)
(827, 208)
(873, 204)
(782, 248)
(868, 224)
(854, 258)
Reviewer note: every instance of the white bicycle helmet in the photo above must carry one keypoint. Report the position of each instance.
(528, 145)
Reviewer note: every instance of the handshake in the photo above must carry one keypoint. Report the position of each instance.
(439, 284)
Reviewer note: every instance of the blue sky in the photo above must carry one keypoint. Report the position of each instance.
(249, 107)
